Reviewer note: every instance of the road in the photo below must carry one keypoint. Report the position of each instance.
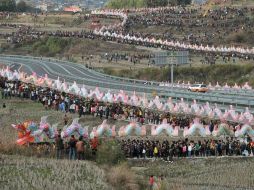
(70, 72)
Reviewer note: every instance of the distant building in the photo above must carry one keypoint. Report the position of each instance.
(74, 9)
(42, 7)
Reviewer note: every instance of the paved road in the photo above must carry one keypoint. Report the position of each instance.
(77, 72)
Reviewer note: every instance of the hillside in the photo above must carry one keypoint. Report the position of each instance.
(239, 72)
(118, 4)
(227, 73)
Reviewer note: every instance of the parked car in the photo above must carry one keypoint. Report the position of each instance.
(198, 88)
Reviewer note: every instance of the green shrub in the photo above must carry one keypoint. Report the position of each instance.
(51, 46)
(110, 153)
(43, 49)
(55, 45)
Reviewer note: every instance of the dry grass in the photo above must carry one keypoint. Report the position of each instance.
(121, 177)
(19, 172)
(53, 22)
(96, 47)
(212, 173)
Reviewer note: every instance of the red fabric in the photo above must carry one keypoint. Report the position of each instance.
(184, 149)
(151, 181)
(94, 143)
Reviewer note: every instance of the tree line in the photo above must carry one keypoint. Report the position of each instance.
(12, 6)
(117, 4)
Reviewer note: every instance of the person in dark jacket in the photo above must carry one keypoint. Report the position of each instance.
(80, 111)
(59, 147)
(72, 150)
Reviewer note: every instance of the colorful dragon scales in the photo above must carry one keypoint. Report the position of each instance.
(30, 132)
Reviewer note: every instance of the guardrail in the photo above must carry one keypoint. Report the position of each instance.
(123, 79)
(223, 99)
(90, 70)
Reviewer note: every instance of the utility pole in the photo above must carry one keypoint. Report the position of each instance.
(172, 69)
(172, 75)
(36, 3)
(174, 58)
(171, 58)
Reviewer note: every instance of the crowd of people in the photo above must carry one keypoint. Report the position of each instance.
(202, 24)
(74, 104)
(69, 103)
(74, 148)
(52, 99)
(22, 33)
(140, 148)
(196, 28)
(27, 33)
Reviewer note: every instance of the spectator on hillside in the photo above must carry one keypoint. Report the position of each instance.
(65, 119)
(151, 182)
(94, 145)
(72, 146)
(59, 147)
(80, 146)
(80, 110)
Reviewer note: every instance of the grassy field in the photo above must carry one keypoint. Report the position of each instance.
(53, 22)
(202, 174)
(76, 48)
(193, 174)
(19, 172)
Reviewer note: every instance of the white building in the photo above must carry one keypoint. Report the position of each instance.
(42, 7)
